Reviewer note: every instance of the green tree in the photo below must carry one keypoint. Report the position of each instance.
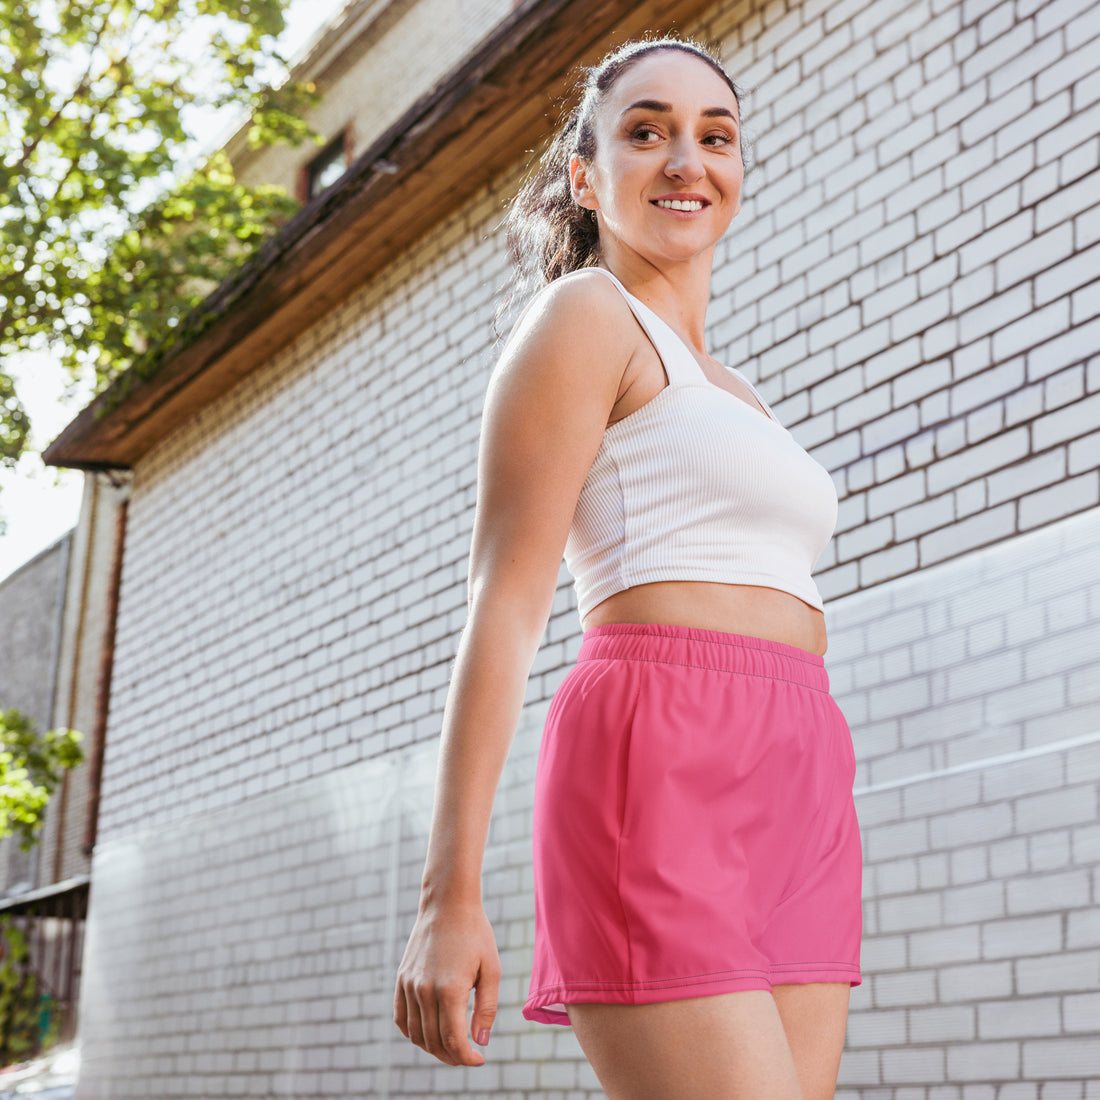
(109, 233)
(29, 1021)
(31, 766)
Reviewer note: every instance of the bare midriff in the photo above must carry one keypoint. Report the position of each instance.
(733, 608)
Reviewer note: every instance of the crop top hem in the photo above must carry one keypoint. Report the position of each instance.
(614, 585)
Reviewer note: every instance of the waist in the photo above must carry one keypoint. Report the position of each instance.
(715, 650)
(752, 610)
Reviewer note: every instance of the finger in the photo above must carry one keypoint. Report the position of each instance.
(415, 1018)
(431, 1021)
(400, 1010)
(452, 1028)
(486, 999)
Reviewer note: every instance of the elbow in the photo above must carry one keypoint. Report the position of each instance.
(519, 607)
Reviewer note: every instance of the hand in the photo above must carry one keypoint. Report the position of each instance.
(451, 950)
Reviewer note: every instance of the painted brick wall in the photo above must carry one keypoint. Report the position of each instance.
(914, 282)
(252, 951)
(901, 285)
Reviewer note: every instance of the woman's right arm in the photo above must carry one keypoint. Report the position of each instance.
(548, 402)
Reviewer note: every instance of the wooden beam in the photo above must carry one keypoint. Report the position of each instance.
(474, 125)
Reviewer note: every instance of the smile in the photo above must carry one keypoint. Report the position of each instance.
(679, 204)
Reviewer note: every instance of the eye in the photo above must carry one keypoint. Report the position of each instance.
(645, 134)
(717, 140)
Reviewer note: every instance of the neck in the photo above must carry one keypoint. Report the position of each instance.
(677, 292)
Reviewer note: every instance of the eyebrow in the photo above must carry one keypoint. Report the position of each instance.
(666, 108)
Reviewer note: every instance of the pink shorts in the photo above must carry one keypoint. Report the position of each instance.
(694, 826)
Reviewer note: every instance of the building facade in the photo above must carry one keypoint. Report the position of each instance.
(913, 285)
(56, 636)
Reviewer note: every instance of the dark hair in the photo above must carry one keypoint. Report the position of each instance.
(548, 233)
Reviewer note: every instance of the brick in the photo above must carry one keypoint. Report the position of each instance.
(894, 494)
(999, 241)
(1049, 892)
(1065, 350)
(919, 382)
(1020, 937)
(969, 865)
(896, 561)
(1032, 330)
(948, 1023)
(976, 982)
(975, 824)
(1052, 1058)
(891, 841)
(944, 945)
(1067, 202)
(996, 117)
(911, 911)
(1078, 162)
(912, 987)
(1042, 252)
(1061, 139)
(984, 458)
(1084, 304)
(1062, 71)
(1056, 14)
(1043, 469)
(876, 1029)
(919, 1064)
(994, 58)
(989, 317)
(976, 902)
(972, 160)
(927, 516)
(1073, 495)
(1067, 806)
(1049, 850)
(1064, 388)
(1081, 1012)
(1067, 422)
(983, 1061)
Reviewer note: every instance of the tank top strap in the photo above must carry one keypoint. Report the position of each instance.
(680, 365)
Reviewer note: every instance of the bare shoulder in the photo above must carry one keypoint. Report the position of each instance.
(580, 321)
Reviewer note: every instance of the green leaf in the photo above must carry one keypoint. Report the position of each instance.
(108, 240)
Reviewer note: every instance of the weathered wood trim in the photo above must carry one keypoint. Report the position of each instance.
(473, 125)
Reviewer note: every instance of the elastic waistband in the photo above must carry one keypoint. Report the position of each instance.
(710, 649)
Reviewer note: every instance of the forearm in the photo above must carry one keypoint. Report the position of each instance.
(494, 660)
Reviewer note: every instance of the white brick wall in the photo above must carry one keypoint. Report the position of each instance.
(913, 283)
(927, 175)
(979, 806)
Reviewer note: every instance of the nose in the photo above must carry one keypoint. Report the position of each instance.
(685, 161)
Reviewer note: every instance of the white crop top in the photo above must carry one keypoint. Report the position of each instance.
(698, 485)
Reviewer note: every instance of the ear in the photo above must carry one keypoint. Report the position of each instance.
(580, 183)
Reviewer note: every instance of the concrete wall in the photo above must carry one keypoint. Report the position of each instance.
(912, 283)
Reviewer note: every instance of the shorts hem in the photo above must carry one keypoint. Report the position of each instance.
(676, 989)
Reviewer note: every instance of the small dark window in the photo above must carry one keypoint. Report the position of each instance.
(327, 167)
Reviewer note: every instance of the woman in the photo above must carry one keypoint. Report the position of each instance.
(696, 852)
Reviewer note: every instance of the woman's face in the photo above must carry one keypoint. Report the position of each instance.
(667, 172)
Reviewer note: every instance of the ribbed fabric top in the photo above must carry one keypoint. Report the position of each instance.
(698, 485)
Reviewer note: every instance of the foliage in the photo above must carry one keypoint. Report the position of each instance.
(98, 101)
(31, 765)
(23, 1003)
(14, 425)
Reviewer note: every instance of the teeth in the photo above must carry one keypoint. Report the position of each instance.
(679, 204)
